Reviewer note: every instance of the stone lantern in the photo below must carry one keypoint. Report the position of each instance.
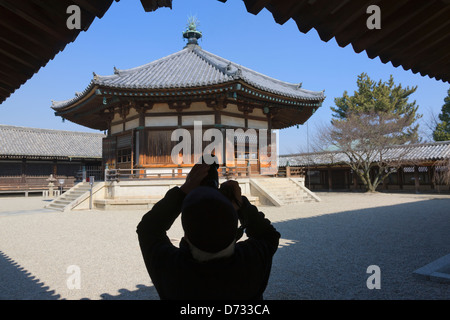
(51, 184)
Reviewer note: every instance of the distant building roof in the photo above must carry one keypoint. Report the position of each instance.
(417, 152)
(23, 142)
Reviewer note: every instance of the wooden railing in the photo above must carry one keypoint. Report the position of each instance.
(169, 173)
(98, 174)
(290, 172)
(18, 183)
(295, 171)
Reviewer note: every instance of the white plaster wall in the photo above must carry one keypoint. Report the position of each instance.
(257, 124)
(132, 124)
(116, 117)
(205, 119)
(232, 108)
(161, 121)
(198, 106)
(160, 107)
(116, 128)
(133, 112)
(258, 112)
(232, 121)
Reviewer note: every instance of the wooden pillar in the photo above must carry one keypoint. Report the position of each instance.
(270, 147)
(217, 116)
(138, 133)
(55, 168)
(323, 175)
(431, 172)
(330, 180)
(416, 179)
(133, 151)
(347, 179)
(24, 170)
(400, 178)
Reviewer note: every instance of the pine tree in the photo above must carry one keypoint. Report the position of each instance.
(380, 97)
(442, 131)
(378, 116)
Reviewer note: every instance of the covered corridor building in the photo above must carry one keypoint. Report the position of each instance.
(330, 170)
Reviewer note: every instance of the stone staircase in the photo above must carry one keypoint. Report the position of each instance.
(70, 198)
(284, 191)
(273, 191)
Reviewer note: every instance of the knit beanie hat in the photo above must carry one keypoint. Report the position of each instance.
(209, 219)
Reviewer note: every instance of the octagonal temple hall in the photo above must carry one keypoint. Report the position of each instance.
(141, 107)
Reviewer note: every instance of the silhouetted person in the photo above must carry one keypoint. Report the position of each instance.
(209, 264)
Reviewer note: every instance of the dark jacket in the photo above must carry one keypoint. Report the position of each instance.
(176, 275)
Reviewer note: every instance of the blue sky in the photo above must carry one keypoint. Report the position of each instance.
(127, 37)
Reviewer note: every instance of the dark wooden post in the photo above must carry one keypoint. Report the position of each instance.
(431, 171)
(24, 171)
(400, 177)
(416, 179)
(55, 168)
(347, 179)
(330, 180)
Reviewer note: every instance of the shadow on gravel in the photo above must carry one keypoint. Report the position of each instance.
(322, 257)
(330, 254)
(143, 292)
(16, 283)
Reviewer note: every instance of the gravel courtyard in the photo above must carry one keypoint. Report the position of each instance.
(324, 253)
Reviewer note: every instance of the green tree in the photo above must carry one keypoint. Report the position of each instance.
(368, 140)
(366, 125)
(385, 97)
(442, 130)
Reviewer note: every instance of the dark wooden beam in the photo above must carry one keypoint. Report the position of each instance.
(152, 5)
(255, 6)
(362, 37)
(432, 20)
(91, 7)
(28, 13)
(349, 15)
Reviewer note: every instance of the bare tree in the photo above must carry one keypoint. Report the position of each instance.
(442, 173)
(369, 143)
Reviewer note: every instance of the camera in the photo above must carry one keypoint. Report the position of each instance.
(212, 179)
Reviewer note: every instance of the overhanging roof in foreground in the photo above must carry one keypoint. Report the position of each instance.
(414, 34)
(32, 32)
(432, 151)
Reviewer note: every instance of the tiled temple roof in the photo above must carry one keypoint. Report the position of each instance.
(416, 152)
(35, 143)
(192, 67)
